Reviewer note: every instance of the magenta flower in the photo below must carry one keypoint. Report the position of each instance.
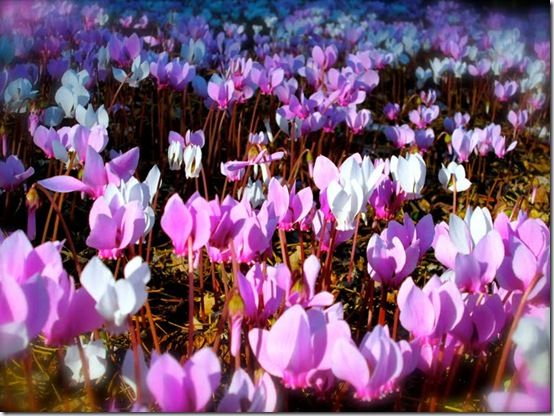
(400, 136)
(527, 254)
(518, 119)
(96, 174)
(123, 51)
(391, 111)
(303, 290)
(250, 231)
(184, 388)
(268, 288)
(482, 322)
(481, 68)
(292, 208)
(471, 247)
(51, 143)
(221, 91)
(432, 312)
(234, 169)
(182, 221)
(504, 91)
(463, 143)
(325, 59)
(424, 116)
(13, 173)
(245, 396)
(267, 79)
(394, 254)
(114, 224)
(387, 199)
(376, 367)
(298, 348)
(358, 120)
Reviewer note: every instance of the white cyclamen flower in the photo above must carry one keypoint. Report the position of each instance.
(116, 300)
(454, 177)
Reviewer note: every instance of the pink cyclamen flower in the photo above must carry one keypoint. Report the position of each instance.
(290, 208)
(504, 91)
(431, 312)
(376, 367)
(96, 174)
(13, 173)
(394, 254)
(526, 256)
(114, 224)
(463, 143)
(221, 92)
(391, 111)
(358, 120)
(483, 320)
(184, 388)
(182, 221)
(303, 290)
(471, 247)
(518, 119)
(400, 136)
(298, 347)
(243, 395)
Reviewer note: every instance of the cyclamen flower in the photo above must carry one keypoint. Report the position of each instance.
(387, 199)
(518, 119)
(182, 222)
(391, 111)
(483, 320)
(13, 173)
(458, 121)
(221, 92)
(95, 353)
(504, 91)
(184, 388)
(471, 248)
(89, 118)
(526, 256)
(73, 91)
(424, 116)
(463, 143)
(298, 348)
(357, 121)
(139, 72)
(453, 177)
(431, 312)
(303, 290)
(115, 223)
(376, 367)
(245, 396)
(116, 300)
(347, 189)
(51, 143)
(290, 208)
(234, 169)
(410, 173)
(97, 175)
(17, 95)
(400, 136)
(394, 254)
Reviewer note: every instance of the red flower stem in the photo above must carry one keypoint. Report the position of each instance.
(86, 375)
(190, 300)
(353, 252)
(382, 305)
